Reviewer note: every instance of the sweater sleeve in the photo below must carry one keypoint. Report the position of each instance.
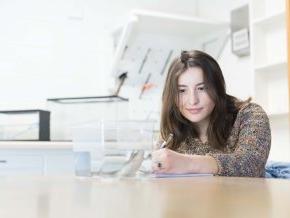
(252, 148)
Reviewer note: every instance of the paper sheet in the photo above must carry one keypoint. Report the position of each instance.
(175, 175)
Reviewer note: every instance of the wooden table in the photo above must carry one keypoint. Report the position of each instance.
(61, 197)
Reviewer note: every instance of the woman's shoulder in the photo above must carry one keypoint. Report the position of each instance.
(251, 110)
(251, 107)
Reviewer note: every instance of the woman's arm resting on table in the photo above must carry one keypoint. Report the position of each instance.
(252, 147)
(168, 161)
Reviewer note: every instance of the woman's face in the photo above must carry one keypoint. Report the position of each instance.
(194, 102)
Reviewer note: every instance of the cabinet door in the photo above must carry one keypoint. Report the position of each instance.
(36, 162)
(19, 164)
(61, 163)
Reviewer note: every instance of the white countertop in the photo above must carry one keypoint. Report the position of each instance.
(36, 145)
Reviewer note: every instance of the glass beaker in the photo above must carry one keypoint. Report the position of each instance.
(117, 148)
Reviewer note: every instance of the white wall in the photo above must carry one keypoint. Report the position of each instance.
(58, 48)
(47, 51)
(237, 70)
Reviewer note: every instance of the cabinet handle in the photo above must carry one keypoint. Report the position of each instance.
(3, 161)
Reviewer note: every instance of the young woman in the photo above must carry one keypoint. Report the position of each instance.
(213, 132)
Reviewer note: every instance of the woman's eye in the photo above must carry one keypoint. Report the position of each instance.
(203, 88)
(181, 90)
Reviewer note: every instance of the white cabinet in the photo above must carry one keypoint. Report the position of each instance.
(269, 59)
(36, 158)
(59, 163)
(19, 163)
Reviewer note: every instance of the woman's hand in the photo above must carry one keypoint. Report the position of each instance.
(168, 161)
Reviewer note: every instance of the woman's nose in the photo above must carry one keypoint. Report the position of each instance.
(193, 98)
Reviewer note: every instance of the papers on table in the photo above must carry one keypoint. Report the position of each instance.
(176, 175)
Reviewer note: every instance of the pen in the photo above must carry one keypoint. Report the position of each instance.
(163, 145)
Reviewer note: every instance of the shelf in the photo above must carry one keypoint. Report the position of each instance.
(269, 58)
(163, 23)
(272, 67)
(58, 145)
(150, 40)
(270, 20)
(279, 115)
(271, 89)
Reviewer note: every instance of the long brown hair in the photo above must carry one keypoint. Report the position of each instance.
(225, 110)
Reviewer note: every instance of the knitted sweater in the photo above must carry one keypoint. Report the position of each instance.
(247, 147)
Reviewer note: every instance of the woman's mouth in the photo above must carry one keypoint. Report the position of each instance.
(194, 110)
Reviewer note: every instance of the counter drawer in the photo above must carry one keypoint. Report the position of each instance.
(21, 164)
